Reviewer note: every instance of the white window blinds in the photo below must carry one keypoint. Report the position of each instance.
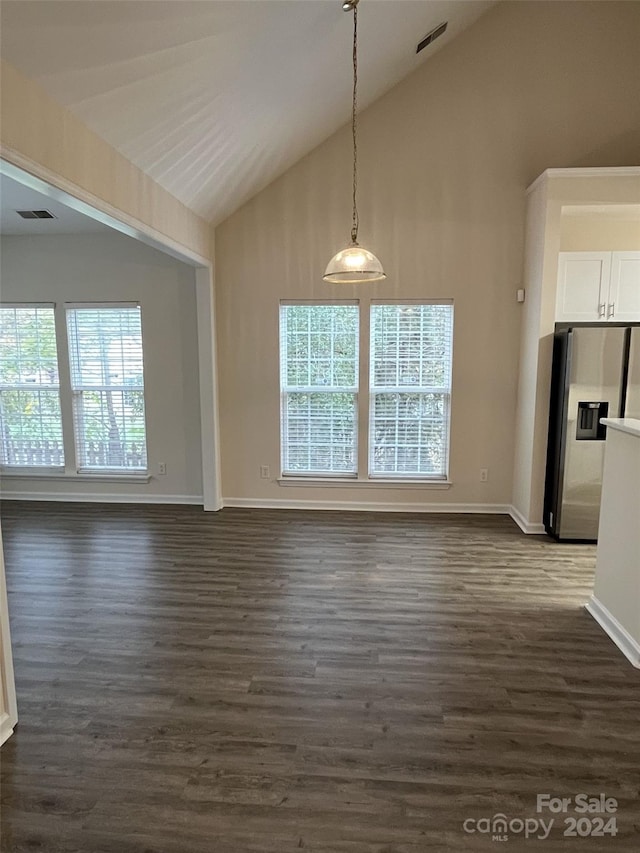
(105, 349)
(410, 388)
(319, 385)
(30, 421)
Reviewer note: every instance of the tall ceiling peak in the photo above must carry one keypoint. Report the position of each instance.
(215, 98)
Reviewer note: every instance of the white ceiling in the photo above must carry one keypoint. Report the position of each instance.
(216, 98)
(15, 196)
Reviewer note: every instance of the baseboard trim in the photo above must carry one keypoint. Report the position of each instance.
(365, 506)
(524, 525)
(283, 503)
(101, 497)
(629, 647)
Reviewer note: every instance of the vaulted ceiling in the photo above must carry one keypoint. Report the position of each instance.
(215, 99)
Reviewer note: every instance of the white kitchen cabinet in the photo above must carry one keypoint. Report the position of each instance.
(624, 287)
(598, 287)
(583, 286)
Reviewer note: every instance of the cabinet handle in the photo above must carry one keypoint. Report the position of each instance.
(612, 309)
(601, 309)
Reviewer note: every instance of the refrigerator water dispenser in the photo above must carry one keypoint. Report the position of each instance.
(588, 426)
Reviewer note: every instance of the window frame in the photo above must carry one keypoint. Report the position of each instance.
(70, 469)
(6, 468)
(364, 397)
(445, 392)
(334, 389)
(76, 395)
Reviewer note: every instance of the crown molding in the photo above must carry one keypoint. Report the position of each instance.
(595, 172)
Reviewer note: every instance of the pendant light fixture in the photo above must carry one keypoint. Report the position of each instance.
(354, 264)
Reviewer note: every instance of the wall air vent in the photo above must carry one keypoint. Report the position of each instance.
(35, 214)
(432, 36)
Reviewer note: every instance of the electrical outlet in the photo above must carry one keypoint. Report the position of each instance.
(264, 472)
(484, 475)
(162, 468)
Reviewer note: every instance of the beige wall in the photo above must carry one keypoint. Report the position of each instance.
(599, 234)
(445, 158)
(110, 267)
(35, 129)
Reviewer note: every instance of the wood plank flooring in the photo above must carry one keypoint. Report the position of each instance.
(277, 681)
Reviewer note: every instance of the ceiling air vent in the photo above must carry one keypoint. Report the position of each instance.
(432, 36)
(35, 214)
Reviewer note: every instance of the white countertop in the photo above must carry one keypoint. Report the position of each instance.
(630, 425)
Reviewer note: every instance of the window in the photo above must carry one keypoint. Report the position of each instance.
(105, 352)
(319, 387)
(102, 383)
(30, 420)
(404, 411)
(410, 387)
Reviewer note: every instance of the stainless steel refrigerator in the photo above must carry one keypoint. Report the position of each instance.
(596, 374)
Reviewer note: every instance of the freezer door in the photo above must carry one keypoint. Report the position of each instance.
(595, 376)
(632, 405)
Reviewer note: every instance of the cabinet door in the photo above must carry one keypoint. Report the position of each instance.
(623, 303)
(583, 285)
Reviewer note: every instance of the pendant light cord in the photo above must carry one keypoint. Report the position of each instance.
(354, 108)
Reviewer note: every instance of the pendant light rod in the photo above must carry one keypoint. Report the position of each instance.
(354, 113)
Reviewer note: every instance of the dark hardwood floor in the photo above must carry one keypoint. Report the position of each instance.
(283, 681)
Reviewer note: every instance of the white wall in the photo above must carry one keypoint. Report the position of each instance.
(8, 706)
(87, 268)
(554, 190)
(616, 595)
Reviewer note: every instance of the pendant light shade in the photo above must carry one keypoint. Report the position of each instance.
(354, 265)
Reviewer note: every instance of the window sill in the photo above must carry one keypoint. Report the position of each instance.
(89, 476)
(354, 483)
